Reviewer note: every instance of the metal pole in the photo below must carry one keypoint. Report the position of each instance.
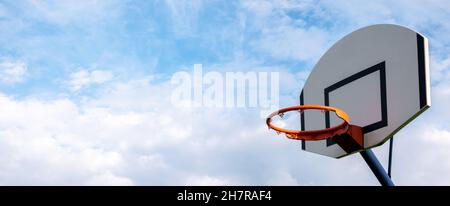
(376, 168)
(391, 144)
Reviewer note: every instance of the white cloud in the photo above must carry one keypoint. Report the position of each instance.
(288, 42)
(206, 180)
(421, 153)
(283, 178)
(283, 36)
(435, 135)
(54, 149)
(72, 11)
(84, 78)
(131, 134)
(109, 179)
(184, 16)
(303, 30)
(440, 69)
(101, 142)
(12, 71)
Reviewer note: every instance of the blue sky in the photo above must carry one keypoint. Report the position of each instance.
(84, 84)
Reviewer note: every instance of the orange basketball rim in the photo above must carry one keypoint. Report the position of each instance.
(348, 136)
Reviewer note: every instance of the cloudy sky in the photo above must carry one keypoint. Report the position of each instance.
(84, 92)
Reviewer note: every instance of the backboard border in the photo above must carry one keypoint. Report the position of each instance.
(381, 67)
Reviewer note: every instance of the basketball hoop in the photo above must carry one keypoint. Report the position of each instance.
(348, 136)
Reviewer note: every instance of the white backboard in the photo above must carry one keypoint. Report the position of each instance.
(379, 75)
